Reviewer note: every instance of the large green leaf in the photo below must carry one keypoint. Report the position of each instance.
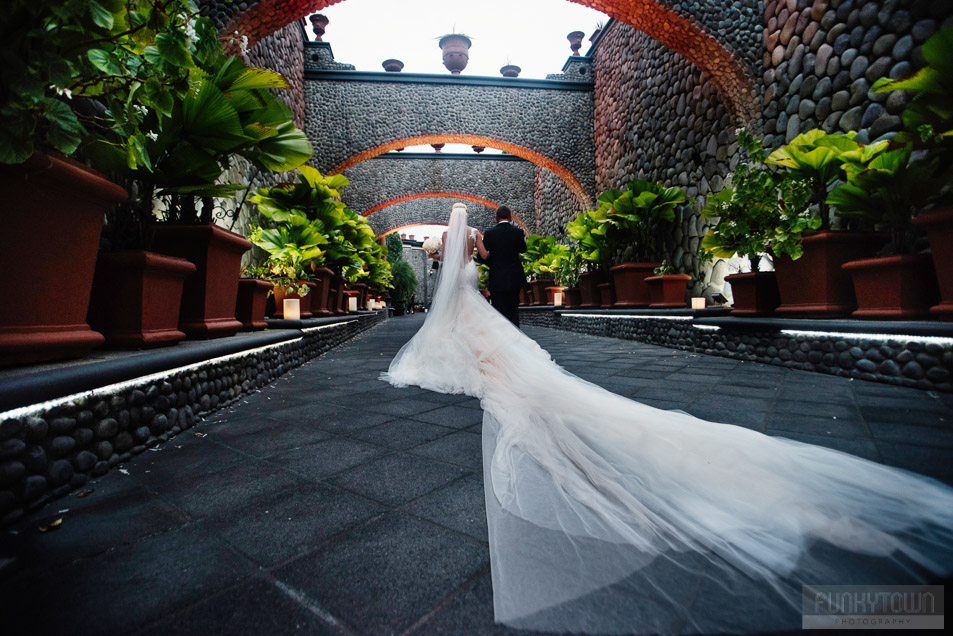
(259, 78)
(208, 118)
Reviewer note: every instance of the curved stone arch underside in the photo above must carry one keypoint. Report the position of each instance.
(681, 32)
(571, 181)
(481, 217)
(489, 179)
(430, 209)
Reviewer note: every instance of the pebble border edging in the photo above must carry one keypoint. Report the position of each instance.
(912, 361)
(47, 452)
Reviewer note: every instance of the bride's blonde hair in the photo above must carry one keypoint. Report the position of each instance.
(459, 205)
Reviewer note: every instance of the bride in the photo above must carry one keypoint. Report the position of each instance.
(609, 516)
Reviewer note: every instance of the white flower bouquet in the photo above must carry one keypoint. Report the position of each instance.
(433, 244)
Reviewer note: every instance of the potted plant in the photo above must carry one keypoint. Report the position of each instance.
(810, 278)
(928, 127)
(667, 288)
(637, 216)
(566, 269)
(254, 287)
(404, 285)
(761, 211)
(595, 257)
(537, 262)
(887, 190)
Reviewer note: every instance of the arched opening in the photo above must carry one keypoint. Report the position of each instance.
(446, 195)
(676, 31)
(473, 140)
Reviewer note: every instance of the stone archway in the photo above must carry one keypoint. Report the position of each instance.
(683, 32)
(567, 177)
(442, 195)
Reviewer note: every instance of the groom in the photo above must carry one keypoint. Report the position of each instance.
(505, 242)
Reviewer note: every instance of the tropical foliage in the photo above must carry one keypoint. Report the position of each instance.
(762, 210)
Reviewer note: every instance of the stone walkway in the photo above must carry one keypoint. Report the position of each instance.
(332, 503)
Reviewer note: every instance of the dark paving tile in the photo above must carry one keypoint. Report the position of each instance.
(87, 530)
(822, 426)
(228, 489)
(925, 460)
(194, 456)
(402, 434)
(323, 459)
(817, 407)
(749, 418)
(665, 405)
(125, 588)
(271, 530)
(455, 415)
(256, 607)
(382, 577)
(334, 419)
(469, 612)
(459, 506)
(279, 437)
(766, 391)
(461, 448)
(907, 433)
(402, 407)
(397, 479)
(903, 412)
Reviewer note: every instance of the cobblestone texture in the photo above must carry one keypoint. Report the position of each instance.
(428, 211)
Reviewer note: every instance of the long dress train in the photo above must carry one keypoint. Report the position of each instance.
(610, 516)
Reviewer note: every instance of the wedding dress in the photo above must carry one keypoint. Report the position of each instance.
(610, 516)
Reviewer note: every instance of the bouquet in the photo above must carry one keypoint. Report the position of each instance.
(433, 244)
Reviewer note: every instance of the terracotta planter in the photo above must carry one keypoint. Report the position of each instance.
(486, 294)
(456, 52)
(208, 303)
(361, 288)
(755, 293)
(319, 302)
(589, 290)
(573, 298)
(280, 296)
(510, 70)
(529, 295)
(667, 291)
(348, 295)
(539, 291)
(939, 228)
(136, 298)
(336, 297)
(551, 294)
(251, 302)
(606, 295)
(894, 287)
(631, 290)
(815, 285)
(523, 301)
(307, 300)
(52, 217)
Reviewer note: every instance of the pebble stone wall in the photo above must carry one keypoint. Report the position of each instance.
(282, 51)
(921, 364)
(49, 453)
(657, 117)
(820, 58)
(554, 204)
(428, 211)
(346, 118)
(421, 264)
(385, 178)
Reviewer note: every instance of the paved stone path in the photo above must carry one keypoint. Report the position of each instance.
(332, 503)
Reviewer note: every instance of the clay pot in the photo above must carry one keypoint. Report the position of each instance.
(322, 276)
(251, 303)
(551, 294)
(393, 66)
(667, 291)
(510, 70)
(939, 228)
(589, 290)
(606, 295)
(540, 296)
(136, 298)
(456, 52)
(52, 216)
(893, 287)
(755, 293)
(573, 298)
(631, 289)
(575, 41)
(208, 301)
(319, 22)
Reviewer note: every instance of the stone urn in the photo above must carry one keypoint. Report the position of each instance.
(456, 52)
(393, 66)
(510, 70)
(479, 149)
(575, 41)
(318, 23)
(437, 147)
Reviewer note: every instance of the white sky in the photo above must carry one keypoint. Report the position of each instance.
(528, 33)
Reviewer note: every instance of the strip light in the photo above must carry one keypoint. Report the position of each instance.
(871, 336)
(128, 384)
(627, 317)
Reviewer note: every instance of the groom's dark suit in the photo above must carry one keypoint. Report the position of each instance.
(505, 242)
